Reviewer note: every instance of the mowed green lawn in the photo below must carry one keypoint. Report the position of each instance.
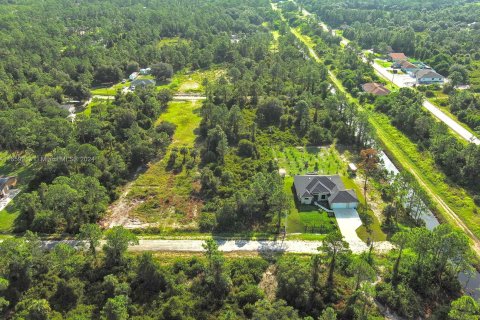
(7, 218)
(383, 63)
(24, 173)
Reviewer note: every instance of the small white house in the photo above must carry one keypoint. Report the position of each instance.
(145, 71)
(133, 76)
(328, 189)
(352, 168)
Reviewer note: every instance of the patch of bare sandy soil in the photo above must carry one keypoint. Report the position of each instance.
(118, 213)
(269, 282)
(189, 85)
(374, 202)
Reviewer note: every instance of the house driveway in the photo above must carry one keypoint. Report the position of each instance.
(348, 222)
(5, 201)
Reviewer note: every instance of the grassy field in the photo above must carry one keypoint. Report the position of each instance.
(383, 63)
(191, 82)
(165, 195)
(109, 91)
(183, 81)
(274, 44)
(474, 76)
(99, 105)
(170, 42)
(7, 218)
(186, 115)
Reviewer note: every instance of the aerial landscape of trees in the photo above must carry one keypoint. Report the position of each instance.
(264, 95)
(442, 34)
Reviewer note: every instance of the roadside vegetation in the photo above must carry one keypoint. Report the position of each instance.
(107, 282)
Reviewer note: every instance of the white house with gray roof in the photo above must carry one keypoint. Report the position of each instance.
(428, 76)
(330, 189)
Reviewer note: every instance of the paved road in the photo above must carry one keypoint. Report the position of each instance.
(452, 124)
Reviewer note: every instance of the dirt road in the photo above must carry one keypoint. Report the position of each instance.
(290, 246)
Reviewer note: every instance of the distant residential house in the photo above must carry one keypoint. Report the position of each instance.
(133, 76)
(422, 65)
(408, 67)
(396, 56)
(315, 188)
(6, 183)
(145, 71)
(429, 76)
(374, 88)
(234, 38)
(142, 83)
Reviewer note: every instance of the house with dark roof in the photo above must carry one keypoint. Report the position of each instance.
(428, 76)
(329, 189)
(6, 183)
(374, 88)
(396, 56)
(408, 67)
